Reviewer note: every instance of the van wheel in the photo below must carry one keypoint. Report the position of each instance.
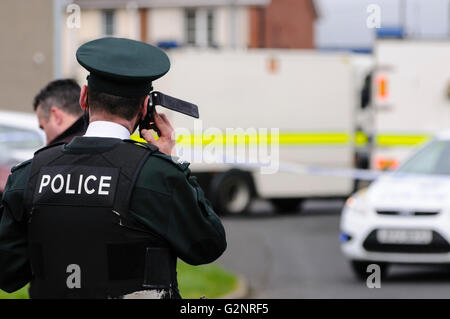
(360, 269)
(286, 205)
(232, 192)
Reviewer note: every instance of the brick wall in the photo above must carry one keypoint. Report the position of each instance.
(283, 24)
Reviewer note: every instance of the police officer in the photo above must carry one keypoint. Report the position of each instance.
(58, 111)
(102, 216)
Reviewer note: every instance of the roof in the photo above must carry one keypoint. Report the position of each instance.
(114, 4)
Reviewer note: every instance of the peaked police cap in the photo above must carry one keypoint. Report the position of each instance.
(122, 67)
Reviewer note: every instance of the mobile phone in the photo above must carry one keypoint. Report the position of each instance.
(148, 123)
(174, 104)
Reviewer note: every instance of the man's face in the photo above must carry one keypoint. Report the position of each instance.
(48, 123)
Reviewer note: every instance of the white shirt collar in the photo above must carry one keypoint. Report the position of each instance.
(107, 129)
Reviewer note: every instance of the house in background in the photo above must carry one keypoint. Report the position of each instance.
(222, 24)
(204, 23)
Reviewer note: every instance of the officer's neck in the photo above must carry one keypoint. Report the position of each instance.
(129, 125)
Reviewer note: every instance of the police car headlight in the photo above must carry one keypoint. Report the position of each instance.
(358, 203)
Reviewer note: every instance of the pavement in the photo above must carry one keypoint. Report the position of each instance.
(298, 256)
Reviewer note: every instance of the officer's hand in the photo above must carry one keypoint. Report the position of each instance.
(166, 142)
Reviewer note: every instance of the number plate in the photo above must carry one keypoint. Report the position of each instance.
(396, 236)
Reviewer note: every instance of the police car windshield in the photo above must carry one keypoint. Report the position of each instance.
(433, 159)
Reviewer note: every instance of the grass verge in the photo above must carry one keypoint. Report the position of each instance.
(211, 281)
(194, 282)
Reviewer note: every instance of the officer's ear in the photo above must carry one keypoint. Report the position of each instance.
(144, 107)
(83, 98)
(56, 114)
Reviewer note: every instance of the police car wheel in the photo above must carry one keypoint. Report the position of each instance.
(286, 205)
(232, 192)
(359, 269)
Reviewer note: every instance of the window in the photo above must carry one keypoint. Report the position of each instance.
(210, 28)
(200, 27)
(190, 27)
(108, 22)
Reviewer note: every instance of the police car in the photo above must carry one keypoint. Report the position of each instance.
(403, 216)
(20, 137)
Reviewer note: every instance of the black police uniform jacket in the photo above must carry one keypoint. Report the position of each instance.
(101, 218)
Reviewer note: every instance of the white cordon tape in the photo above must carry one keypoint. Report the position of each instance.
(353, 173)
(360, 174)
